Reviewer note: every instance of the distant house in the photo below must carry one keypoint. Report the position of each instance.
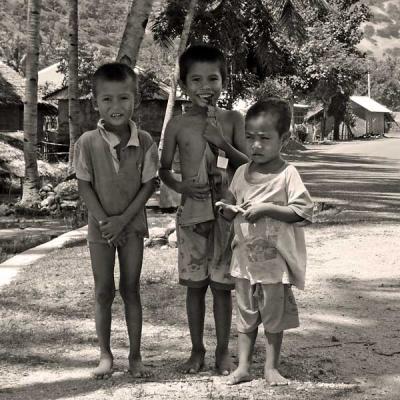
(12, 95)
(151, 111)
(371, 119)
(370, 116)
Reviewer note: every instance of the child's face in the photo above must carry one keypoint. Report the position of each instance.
(263, 140)
(203, 83)
(115, 101)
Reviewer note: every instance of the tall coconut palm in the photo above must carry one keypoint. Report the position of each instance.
(73, 90)
(134, 31)
(30, 194)
(174, 78)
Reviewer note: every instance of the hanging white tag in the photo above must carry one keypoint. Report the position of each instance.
(222, 161)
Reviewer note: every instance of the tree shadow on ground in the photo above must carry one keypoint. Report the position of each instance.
(359, 183)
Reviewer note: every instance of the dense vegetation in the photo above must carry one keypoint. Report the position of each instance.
(101, 24)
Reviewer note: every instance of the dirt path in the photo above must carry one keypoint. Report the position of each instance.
(347, 347)
(361, 178)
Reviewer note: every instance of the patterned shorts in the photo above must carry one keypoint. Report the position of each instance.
(204, 254)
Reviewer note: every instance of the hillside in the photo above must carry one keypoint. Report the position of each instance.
(101, 25)
(382, 33)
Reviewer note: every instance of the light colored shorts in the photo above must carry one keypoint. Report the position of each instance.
(204, 254)
(272, 304)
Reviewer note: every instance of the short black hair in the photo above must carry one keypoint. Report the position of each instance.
(201, 53)
(276, 106)
(114, 71)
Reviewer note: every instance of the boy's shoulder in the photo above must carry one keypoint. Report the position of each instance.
(89, 136)
(145, 137)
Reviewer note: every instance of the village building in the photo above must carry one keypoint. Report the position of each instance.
(12, 95)
(371, 118)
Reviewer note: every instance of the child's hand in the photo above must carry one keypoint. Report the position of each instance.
(253, 212)
(120, 240)
(198, 191)
(111, 227)
(228, 211)
(213, 133)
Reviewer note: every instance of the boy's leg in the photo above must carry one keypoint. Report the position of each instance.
(223, 318)
(103, 258)
(193, 273)
(130, 260)
(246, 343)
(195, 308)
(273, 351)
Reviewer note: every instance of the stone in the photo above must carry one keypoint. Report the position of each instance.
(157, 233)
(44, 203)
(170, 228)
(173, 240)
(65, 205)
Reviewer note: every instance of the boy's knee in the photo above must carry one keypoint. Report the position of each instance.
(105, 297)
(130, 294)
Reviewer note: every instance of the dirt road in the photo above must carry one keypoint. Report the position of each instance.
(361, 178)
(348, 345)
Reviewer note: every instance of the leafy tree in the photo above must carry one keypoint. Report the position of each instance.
(328, 63)
(385, 81)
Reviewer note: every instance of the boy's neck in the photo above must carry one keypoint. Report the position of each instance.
(271, 166)
(120, 131)
(198, 110)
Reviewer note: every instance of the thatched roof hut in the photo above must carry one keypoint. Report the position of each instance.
(12, 163)
(12, 95)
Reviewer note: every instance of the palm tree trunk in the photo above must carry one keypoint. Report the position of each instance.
(134, 31)
(30, 189)
(168, 198)
(174, 78)
(73, 91)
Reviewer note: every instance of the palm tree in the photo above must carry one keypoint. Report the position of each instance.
(134, 30)
(174, 78)
(30, 193)
(73, 91)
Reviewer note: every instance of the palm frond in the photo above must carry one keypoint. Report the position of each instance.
(290, 21)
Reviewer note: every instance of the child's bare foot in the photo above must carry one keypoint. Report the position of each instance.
(274, 378)
(223, 363)
(240, 375)
(194, 364)
(138, 370)
(104, 369)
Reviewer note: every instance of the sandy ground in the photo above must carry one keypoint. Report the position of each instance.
(347, 347)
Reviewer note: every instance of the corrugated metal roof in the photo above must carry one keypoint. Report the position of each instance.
(370, 104)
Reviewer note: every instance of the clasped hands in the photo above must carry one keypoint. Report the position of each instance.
(112, 229)
(251, 212)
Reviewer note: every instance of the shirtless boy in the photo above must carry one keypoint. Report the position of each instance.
(211, 146)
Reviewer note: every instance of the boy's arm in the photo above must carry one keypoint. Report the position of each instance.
(236, 152)
(187, 187)
(167, 157)
(227, 206)
(91, 200)
(274, 211)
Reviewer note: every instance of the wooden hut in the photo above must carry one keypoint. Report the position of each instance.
(370, 116)
(12, 95)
